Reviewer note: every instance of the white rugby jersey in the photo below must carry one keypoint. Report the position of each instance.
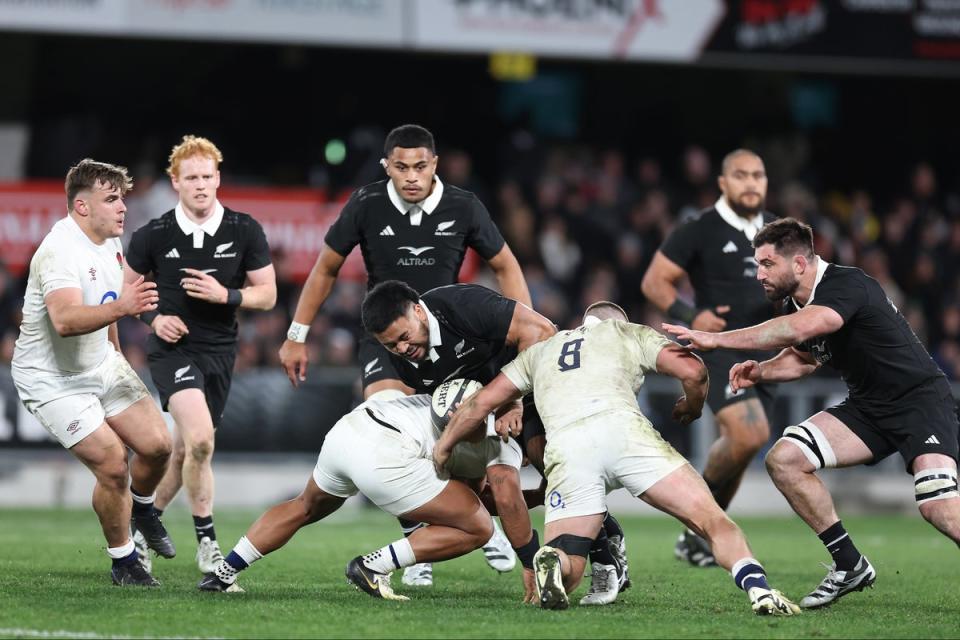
(67, 258)
(593, 369)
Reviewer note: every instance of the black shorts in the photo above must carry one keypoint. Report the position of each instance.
(375, 363)
(720, 395)
(925, 423)
(176, 369)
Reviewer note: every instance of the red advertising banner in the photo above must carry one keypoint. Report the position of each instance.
(295, 221)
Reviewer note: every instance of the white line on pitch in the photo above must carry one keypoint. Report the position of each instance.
(78, 635)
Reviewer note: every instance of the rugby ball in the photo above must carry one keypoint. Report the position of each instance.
(447, 396)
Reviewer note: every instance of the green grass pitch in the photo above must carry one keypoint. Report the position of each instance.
(54, 582)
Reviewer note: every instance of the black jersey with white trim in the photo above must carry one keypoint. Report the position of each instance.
(719, 260)
(876, 352)
(425, 256)
(162, 248)
(473, 323)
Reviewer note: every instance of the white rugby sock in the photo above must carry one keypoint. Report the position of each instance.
(395, 555)
(118, 553)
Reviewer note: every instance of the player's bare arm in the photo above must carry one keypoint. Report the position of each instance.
(778, 333)
(293, 354)
(789, 364)
(470, 416)
(677, 362)
(659, 285)
(70, 317)
(261, 293)
(510, 277)
(527, 328)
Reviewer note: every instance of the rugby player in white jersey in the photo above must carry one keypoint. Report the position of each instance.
(585, 382)
(69, 371)
(382, 449)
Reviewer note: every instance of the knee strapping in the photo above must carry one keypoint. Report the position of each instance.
(935, 484)
(572, 545)
(812, 443)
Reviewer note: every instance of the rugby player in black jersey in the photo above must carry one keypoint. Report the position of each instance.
(208, 261)
(899, 400)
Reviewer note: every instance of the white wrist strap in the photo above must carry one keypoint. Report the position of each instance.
(298, 332)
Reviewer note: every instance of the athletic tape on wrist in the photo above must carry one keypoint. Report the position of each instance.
(682, 311)
(234, 297)
(298, 332)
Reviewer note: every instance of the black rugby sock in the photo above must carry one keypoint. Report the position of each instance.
(838, 543)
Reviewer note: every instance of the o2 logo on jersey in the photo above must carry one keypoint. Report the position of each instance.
(108, 297)
(556, 500)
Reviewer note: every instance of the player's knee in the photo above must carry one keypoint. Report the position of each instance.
(481, 528)
(748, 442)
(201, 450)
(113, 474)
(936, 490)
(785, 458)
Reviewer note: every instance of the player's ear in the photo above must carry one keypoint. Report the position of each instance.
(383, 163)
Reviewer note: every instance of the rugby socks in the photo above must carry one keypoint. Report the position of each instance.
(600, 550)
(838, 543)
(142, 505)
(126, 554)
(748, 573)
(395, 555)
(611, 526)
(409, 526)
(203, 526)
(240, 557)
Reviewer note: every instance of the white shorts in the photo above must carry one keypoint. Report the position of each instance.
(389, 467)
(471, 459)
(585, 461)
(72, 407)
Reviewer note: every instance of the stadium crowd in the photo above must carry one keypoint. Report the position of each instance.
(585, 222)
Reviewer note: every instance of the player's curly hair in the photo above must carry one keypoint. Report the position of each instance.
(192, 146)
(385, 303)
(87, 173)
(788, 236)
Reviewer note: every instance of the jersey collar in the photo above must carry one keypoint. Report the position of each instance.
(748, 227)
(428, 204)
(821, 269)
(189, 227)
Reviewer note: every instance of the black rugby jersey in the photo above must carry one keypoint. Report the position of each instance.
(876, 352)
(424, 256)
(161, 247)
(719, 260)
(473, 323)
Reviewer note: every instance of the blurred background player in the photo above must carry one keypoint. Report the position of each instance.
(899, 400)
(714, 251)
(208, 261)
(586, 382)
(414, 228)
(69, 371)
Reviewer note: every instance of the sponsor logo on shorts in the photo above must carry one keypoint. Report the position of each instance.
(180, 375)
(369, 370)
(219, 251)
(73, 427)
(730, 393)
(555, 500)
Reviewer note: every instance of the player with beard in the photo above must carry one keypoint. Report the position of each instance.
(899, 400)
(714, 251)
